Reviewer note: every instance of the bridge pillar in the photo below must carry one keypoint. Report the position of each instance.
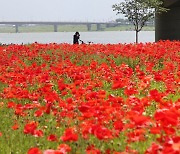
(89, 27)
(167, 25)
(55, 28)
(17, 28)
(108, 25)
(98, 27)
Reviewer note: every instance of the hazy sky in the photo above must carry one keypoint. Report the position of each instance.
(57, 10)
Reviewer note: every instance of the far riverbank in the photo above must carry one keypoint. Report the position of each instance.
(67, 28)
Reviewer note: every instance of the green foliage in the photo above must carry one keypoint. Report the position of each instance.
(138, 12)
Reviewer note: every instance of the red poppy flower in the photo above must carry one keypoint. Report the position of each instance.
(34, 150)
(118, 125)
(30, 127)
(15, 126)
(64, 148)
(101, 132)
(52, 138)
(92, 150)
(38, 133)
(50, 151)
(11, 105)
(69, 135)
(38, 113)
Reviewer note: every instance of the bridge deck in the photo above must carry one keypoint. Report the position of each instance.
(50, 23)
(55, 24)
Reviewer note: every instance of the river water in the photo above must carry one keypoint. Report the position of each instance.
(112, 37)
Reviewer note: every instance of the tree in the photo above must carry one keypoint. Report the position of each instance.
(139, 11)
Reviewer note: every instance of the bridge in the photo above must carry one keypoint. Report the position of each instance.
(167, 24)
(17, 24)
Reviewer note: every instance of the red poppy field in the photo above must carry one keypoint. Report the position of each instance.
(90, 99)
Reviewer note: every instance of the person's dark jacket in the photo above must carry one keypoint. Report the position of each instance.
(76, 39)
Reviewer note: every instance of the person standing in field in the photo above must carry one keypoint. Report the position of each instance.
(76, 37)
